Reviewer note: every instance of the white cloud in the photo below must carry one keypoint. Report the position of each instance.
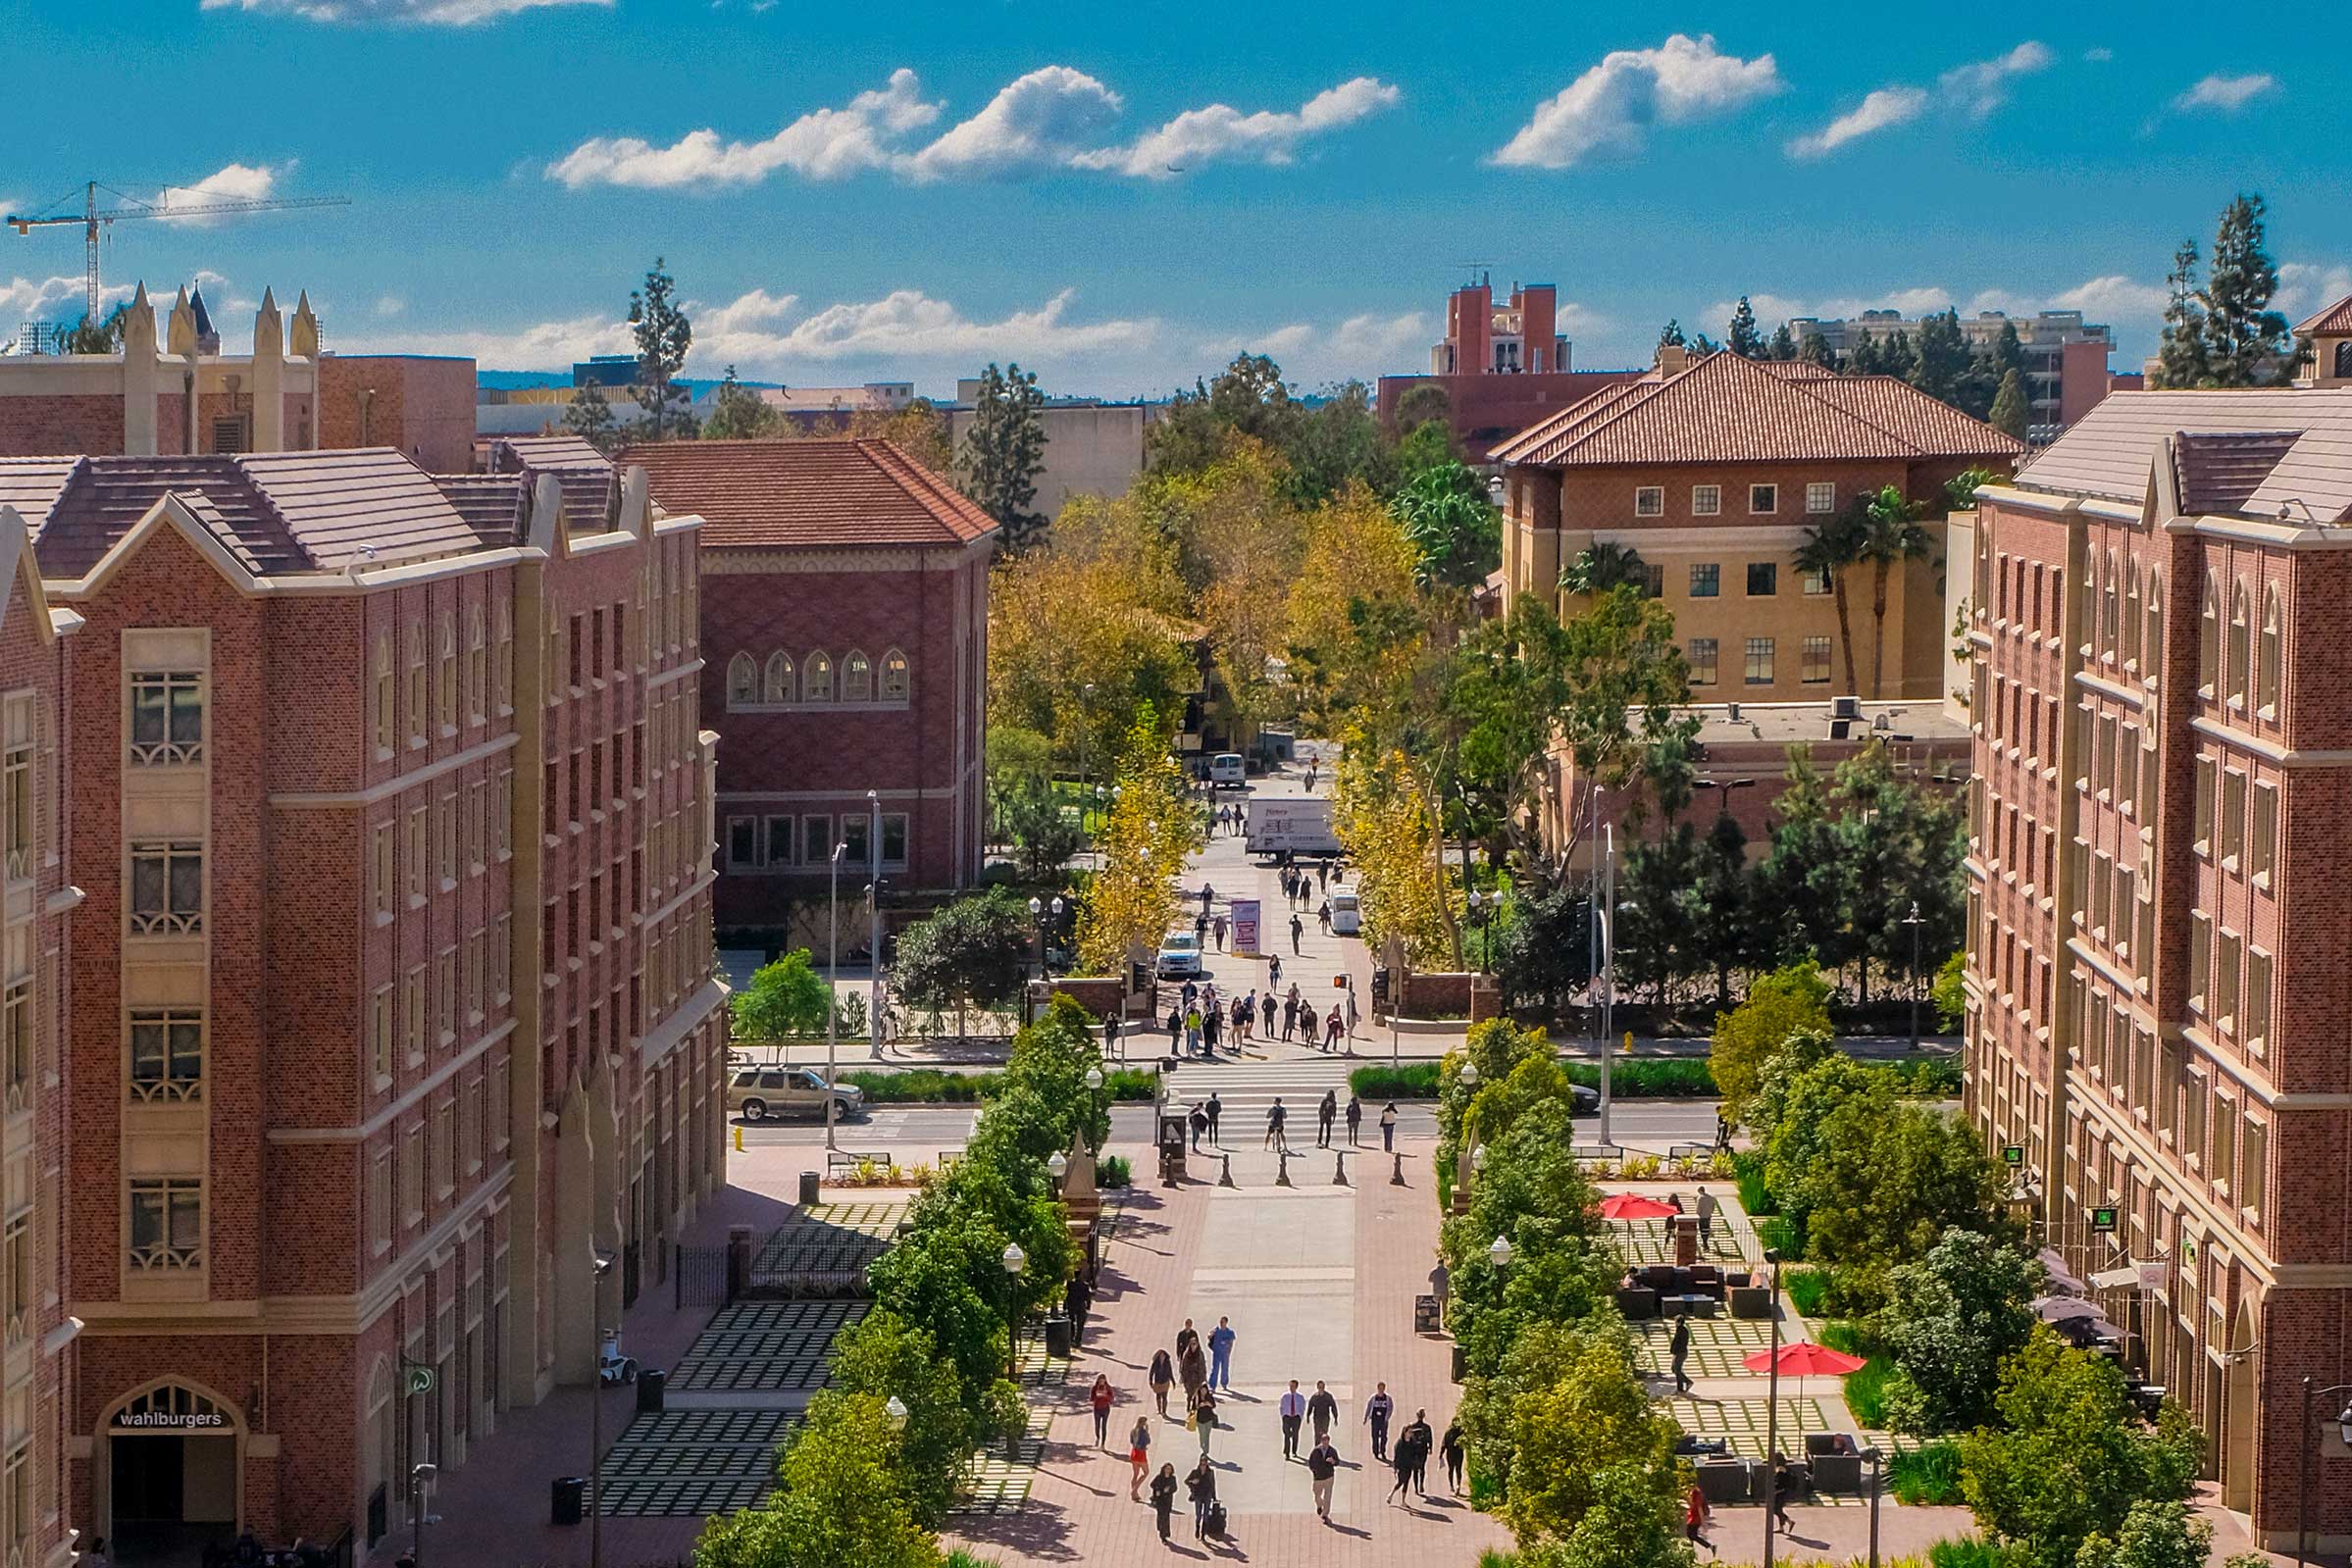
(1358, 347)
(2305, 286)
(2114, 295)
(823, 144)
(1201, 135)
(1977, 88)
(2226, 94)
(2098, 54)
(44, 299)
(1983, 87)
(1608, 108)
(234, 182)
(390, 305)
(1773, 309)
(437, 13)
(535, 346)
(1041, 120)
(1884, 107)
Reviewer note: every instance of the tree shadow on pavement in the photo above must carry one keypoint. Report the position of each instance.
(1041, 1531)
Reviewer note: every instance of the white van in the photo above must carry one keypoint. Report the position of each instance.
(1346, 912)
(1227, 771)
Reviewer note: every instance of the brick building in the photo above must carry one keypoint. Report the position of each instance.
(1502, 367)
(390, 811)
(1713, 470)
(844, 614)
(187, 396)
(2161, 649)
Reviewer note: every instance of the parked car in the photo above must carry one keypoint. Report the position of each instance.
(1346, 912)
(756, 1093)
(1583, 1101)
(1227, 771)
(1180, 954)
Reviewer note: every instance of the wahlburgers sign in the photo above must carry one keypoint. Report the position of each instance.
(169, 1420)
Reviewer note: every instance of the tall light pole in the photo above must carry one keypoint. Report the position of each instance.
(1724, 788)
(419, 1483)
(1772, 1411)
(1914, 921)
(1014, 1262)
(1605, 943)
(832, 975)
(602, 1265)
(874, 911)
(1878, 1460)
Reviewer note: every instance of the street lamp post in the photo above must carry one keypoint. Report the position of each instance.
(602, 1265)
(833, 976)
(1724, 788)
(874, 910)
(1914, 921)
(2343, 1423)
(1014, 1262)
(420, 1482)
(1772, 1411)
(1878, 1461)
(1094, 1090)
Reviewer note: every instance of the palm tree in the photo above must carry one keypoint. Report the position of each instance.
(1890, 533)
(1826, 552)
(1599, 568)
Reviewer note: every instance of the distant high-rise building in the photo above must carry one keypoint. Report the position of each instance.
(1502, 367)
(2065, 357)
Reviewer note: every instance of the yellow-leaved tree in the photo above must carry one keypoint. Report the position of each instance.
(1356, 635)
(1384, 821)
(1152, 826)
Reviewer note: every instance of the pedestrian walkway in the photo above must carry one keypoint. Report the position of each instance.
(1246, 1090)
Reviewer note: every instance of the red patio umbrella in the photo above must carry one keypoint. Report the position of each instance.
(1634, 1206)
(1802, 1358)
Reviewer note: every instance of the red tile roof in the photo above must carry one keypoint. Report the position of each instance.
(586, 475)
(2218, 471)
(1726, 409)
(2332, 319)
(771, 495)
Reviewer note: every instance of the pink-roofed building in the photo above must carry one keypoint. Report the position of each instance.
(389, 814)
(845, 621)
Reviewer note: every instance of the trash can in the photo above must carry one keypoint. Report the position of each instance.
(1057, 1336)
(808, 1190)
(649, 1383)
(567, 1503)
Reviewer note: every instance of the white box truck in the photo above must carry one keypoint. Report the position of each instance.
(1300, 824)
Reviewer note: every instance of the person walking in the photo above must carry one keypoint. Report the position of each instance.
(1290, 1016)
(1210, 1024)
(1193, 1367)
(1215, 1108)
(1292, 1407)
(1218, 926)
(1326, 1115)
(1200, 932)
(1783, 1484)
(1693, 1520)
(1421, 1440)
(1275, 1117)
(1192, 1030)
(1322, 1409)
(1099, 1396)
(1161, 1377)
(1356, 1119)
(1322, 1464)
(1200, 1125)
(1377, 1410)
(1323, 916)
(1221, 1356)
(1175, 1029)
(1191, 993)
(1400, 1466)
(1202, 1487)
(1206, 893)
(1298, 929)
(1139, 1455)
(1266, 1005)
(1333, 1026)
(1205, 1422)
(1388, 1128)
(1708, 1209)
(1163, 1497)
(1448, 1448)
(1110, 1035)
(1679, 1347)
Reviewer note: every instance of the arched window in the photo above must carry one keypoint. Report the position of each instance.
(387, 714)
(2242, 642)
(2132, 616)
(780, 676)
(2343, 358)
(2152, 648)
(816, 682)
(896, 678)
(2209, 638)
(477, 665)
(2108, 636)
(742, 682)
(2265, 681)
(857, 678)
(2090, 603)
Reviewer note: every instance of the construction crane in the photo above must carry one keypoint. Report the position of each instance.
(95, 220)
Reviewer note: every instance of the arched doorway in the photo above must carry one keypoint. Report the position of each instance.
(2238, 1416)
(171, 1472)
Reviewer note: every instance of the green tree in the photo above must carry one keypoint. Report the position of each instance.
(839, 1502)
(1804, 886)
(1631, 1522)
(1002, 453)
(663, 337)
(2009, 413)
(1829, 547)
(1891, 535)
(2071, 1455)
(1249, 398)
(974, 952)
(1454, 528)
(739, 414)
(1814, 350)
(784, 998)
(1789, 1002)
(1960, 490)
(2181, 348)
(1670, 336)
(1785, 343)
(2246, 343)
(889, 1357)
(1424, 403)
(1543, 955)
(90, 337)
(1951, 1320)
(2156, 1534)
(1338, 442)
(1941, 357)
(590, 417)
(1723, 924)
(1658, 914)
(1599, 568)
(1951, 992)
(1742, 338)
(1048, 836)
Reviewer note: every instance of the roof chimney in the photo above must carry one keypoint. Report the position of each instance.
(1672, 359)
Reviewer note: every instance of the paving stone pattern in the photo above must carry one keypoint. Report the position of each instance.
(680, 1463)
(1717, 1345)
(832, 1238)
(766, 1347)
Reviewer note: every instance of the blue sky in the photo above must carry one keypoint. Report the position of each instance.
(1122, 195)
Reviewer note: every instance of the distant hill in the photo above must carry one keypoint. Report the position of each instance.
(509, 381)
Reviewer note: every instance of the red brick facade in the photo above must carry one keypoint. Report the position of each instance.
(420, 404)
(2161, 750)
